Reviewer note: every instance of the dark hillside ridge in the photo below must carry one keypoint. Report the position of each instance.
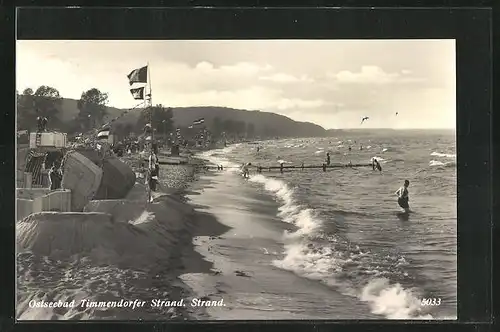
(266, 124)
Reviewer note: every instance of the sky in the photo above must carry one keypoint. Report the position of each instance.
(333, 83)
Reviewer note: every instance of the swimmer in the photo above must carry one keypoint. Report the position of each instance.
(403, 198)
(244, 169)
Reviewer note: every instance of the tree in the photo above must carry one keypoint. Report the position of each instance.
(45, 102)
(26, 118)
(92, 106)
(161, 119)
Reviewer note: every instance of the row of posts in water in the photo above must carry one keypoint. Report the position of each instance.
(374, 164)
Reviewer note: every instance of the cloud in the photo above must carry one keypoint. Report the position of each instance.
(241, 68)
(371, 75)
(255, 97)
(285, 103)
(286, 78)
(276, 76)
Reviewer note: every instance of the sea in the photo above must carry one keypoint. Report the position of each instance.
(334, 244)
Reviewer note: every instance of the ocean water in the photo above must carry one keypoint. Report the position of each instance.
(333, 244)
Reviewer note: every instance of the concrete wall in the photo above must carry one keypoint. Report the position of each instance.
(42, 200)
(58, 200)
(32, 193)
(24, 208)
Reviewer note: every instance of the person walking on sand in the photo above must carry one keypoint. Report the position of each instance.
(154, 168)
(403, 198)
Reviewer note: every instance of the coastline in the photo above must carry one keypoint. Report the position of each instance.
(170, 225)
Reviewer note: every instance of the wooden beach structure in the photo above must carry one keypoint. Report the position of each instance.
(282, 167)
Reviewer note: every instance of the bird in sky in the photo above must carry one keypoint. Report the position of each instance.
(363, 119)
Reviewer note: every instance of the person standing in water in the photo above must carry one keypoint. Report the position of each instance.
(403, 198)
(376, 164)
(244, 169)
(328, 158)
(258, 149)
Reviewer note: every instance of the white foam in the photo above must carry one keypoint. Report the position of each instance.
(440, 163)
(319, 264)
(446, 155)
(326, 263)
(392, 300)
(290, 211)
(385, 149)
(214, 156)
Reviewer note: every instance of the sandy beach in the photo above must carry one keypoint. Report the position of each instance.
(116, 250)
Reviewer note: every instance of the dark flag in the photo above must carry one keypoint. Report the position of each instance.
(138, 75)
(137, 93)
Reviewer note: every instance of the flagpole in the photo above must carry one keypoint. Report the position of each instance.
(150, 106)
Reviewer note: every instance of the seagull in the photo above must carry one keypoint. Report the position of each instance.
(363, 119)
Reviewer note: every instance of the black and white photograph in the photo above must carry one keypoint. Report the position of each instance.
(236, 179)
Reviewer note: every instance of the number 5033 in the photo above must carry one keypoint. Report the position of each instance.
(431, 301)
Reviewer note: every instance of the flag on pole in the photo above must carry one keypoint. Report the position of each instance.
(139, 75)
(103, 133)
(137, 93)
(199, 121)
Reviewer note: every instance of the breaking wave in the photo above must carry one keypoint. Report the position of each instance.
(446, 155)
(310, 253)
(441, 164)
